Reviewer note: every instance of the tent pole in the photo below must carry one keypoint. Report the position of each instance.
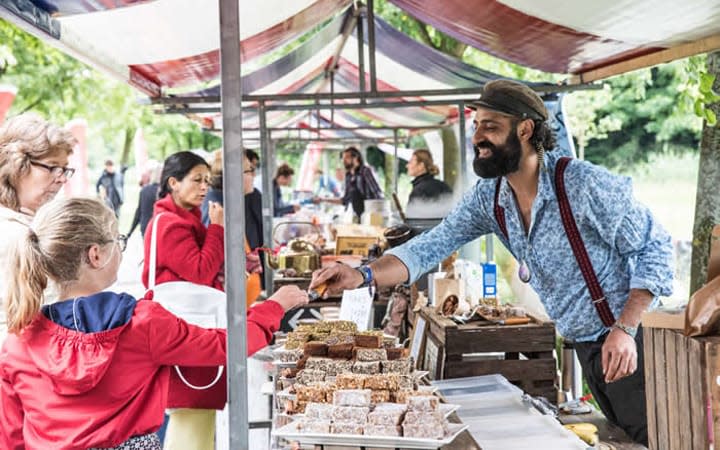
(268, 168)
(371, 44)
(361, 56)
(332, 92)
(474, 92)
(234, 204)
(395, 162)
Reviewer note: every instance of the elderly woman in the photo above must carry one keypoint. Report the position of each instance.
(33, 167)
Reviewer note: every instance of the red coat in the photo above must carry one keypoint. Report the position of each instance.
(67, 389)
(187, 251)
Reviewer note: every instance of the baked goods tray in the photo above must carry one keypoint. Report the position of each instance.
(287, 395)
(291, 433)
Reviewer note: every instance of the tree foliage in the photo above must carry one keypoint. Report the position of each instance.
(636, 115)
(633, 116)
(60, 88)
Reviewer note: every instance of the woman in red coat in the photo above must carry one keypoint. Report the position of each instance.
(187, 251)
(92, 371)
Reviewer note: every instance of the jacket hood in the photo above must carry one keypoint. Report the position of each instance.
(75, 340)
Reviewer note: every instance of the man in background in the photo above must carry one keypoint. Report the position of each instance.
(110, 186)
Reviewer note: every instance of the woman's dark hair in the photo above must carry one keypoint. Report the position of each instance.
(355, 153)
(284, 171)
(177, 166)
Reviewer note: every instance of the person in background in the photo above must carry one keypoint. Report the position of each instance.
(92, 370)
(360, 183)
(253, 204)
(283, 177)
(34, 157)
(189, 251)
(215, 191)
(327, 184)
(626, 255)
(423, 170)
(253, 265)
(255, 161)
(147, 197)
(110, 186)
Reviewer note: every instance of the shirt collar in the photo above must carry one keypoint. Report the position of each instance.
(545, 191)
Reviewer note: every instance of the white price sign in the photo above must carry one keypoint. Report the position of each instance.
(356, 306)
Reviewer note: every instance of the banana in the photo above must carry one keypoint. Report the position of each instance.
(585, 431)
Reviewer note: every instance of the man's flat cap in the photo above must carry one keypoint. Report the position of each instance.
(513, 98)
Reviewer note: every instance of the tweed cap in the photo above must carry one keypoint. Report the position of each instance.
(513, 98)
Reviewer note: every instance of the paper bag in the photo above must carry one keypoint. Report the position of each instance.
(702, 315)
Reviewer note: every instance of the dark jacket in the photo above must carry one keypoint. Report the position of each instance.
(113, 185)
(254, 219)
(213, 195)
(253, 214)
(144, 210)
(427, 187)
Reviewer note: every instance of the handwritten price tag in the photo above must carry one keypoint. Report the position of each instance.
(356, 306)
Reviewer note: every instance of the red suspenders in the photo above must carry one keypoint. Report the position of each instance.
(573, 235)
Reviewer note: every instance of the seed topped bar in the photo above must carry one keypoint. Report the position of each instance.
(370, 354)
(352, 397)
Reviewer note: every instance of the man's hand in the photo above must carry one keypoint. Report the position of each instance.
(619, 355)
(338, 277)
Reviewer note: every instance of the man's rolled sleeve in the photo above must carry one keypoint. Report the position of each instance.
(631, 228)
(465, 223)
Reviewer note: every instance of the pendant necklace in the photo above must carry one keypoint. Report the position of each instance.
(524, 272)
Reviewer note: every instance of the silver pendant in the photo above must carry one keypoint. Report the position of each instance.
(524, 272)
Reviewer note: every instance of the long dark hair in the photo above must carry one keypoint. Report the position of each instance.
(355, 153)
(177, 166)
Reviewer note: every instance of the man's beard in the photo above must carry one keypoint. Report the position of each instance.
(349, 166)
(504, 159)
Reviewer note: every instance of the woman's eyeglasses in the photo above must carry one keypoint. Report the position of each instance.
(122, 242)
(56, 171)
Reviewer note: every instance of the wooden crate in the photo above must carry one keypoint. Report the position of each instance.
(681, 385)
(525, 353)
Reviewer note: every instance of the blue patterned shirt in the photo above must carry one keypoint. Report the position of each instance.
(627, 246)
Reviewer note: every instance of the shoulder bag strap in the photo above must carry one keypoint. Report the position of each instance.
(151, 285)
(152, 271)
(578, 247)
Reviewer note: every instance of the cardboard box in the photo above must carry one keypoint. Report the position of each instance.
(673, 319)
(354, 245)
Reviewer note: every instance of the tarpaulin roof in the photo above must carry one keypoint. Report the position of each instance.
(170, 47)
(402, 64)
(569, 36)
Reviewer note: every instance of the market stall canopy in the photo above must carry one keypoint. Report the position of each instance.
(590, 39)
(161, 44)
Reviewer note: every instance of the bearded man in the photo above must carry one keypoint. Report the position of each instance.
(596, 257)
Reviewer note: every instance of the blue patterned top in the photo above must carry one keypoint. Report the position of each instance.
(628, 248)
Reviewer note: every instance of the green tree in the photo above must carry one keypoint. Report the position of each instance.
(641, 113)
(61, 89)
(707, 203)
